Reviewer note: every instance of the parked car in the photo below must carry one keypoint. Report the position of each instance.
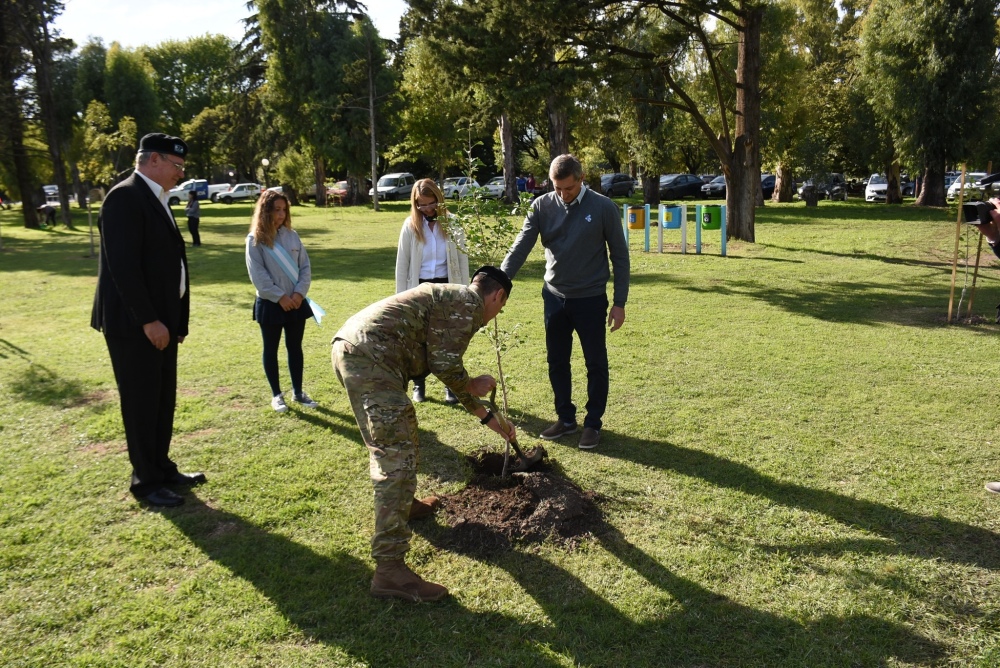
(767, 182)
(617, 185)
(203, 188)
(679, 186)
(338, 190)
(394, 186)
(240, 191)
(972, 188)
(834, 187)
(875, 190)
(714, 188)
(494, 187)
(51, 194)
(458, 186)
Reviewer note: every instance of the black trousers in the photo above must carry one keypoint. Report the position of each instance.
(420, 381)
(193, 229)
(147, 384)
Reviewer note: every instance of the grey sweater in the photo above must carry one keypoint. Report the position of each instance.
(578, 241)
(267, 276)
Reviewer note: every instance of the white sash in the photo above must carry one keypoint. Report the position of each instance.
(292, 271)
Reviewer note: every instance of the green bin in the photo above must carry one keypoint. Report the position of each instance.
(711, 217)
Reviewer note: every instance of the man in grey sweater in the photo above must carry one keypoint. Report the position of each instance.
(580, 230)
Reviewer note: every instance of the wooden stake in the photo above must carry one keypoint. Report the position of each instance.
(958, 234)
(975, 275)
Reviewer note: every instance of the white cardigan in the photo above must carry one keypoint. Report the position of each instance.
(410, 255)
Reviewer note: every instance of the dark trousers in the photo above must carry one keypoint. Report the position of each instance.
(294, 331)
(420, 381)
(147, 385)
(193, 229)
(587, 316)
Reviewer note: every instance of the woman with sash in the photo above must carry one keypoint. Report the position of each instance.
(280, 272)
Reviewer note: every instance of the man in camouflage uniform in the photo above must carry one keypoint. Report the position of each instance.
(375, 353)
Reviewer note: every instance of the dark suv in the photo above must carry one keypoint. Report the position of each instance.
(833, 187)
(617, 185)
(679, 186)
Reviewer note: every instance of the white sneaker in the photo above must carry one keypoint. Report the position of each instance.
(303, 398)
(278, 403)
(993, 487)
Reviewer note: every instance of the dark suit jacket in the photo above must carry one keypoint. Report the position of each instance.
(140, 272)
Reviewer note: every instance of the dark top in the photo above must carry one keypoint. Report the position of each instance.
(139, 276)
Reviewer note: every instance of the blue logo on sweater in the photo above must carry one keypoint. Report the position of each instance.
(587, 218)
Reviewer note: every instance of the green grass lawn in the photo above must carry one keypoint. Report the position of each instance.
(792, 466)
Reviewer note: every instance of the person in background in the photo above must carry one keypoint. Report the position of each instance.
(580, 230)
(49, 212)
(529, 184)
(280, 272)
(429, 252)
(374, 354)
(193, 212)
(142, 305)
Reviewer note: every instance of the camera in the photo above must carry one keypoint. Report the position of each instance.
(977, 213)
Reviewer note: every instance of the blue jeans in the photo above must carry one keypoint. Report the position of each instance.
(588, 317)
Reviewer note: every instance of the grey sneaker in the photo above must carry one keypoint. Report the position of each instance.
(993, 487)
(303, 399)
(558, 428)
(278, 403)
(590, 438)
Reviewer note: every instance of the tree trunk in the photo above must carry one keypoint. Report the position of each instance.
(892, 194)
(78, 187)
(371, 129)
(744, 163)
(651, 191)
(13, 130)
(41, 51)
(320, 172)
(784, 184)
(932, 191)
(558, 127)
(507, 147)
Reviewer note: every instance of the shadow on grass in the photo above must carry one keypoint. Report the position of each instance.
(40, 385)
(692, 625)
(858, 302)
(325, 596)
(933, 538)
(836, 211)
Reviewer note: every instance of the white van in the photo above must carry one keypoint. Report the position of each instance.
(394, 186)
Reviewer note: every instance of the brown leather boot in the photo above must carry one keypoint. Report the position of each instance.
(394, 580)
(424, 507)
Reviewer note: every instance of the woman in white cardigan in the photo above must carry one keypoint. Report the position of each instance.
(429, 253)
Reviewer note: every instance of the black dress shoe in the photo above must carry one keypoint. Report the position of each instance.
(162, 497)
(186, 479)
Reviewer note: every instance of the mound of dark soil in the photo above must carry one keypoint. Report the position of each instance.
(493, 513)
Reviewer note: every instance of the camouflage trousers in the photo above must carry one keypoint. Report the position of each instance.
(388, 424)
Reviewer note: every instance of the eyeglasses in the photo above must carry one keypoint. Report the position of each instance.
(432, 205)
(178, 165)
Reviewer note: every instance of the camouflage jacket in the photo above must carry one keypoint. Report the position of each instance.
(427, 328)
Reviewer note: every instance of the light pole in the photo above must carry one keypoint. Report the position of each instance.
(265, 162)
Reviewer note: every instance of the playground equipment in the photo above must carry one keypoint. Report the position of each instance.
(707, 217)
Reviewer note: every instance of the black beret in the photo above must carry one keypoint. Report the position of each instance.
(497, 275)
(157, 142)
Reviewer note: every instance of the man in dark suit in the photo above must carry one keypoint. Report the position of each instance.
(141, 305)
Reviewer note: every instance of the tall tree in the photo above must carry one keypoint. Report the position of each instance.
(33, 19)
(436, 113)
(191, 75)
(129, 89)
(306, 43)
(13, 66)
(927, 66)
